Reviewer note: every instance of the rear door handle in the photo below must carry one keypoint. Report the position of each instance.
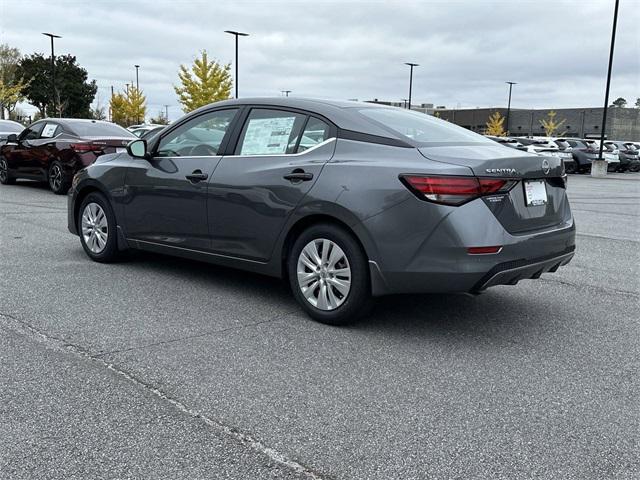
(298, 175)
(197, 176)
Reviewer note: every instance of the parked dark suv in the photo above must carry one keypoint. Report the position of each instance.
(55, 149)
(628, 155)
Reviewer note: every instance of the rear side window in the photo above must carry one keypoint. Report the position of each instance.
(32, 132)
(421, 127)
(315, 132)
(270, 132)
(50, 130)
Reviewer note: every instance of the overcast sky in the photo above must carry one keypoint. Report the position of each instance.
(557, 51)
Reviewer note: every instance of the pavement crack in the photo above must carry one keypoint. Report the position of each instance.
(614, 291)
(22, 327)
(191, 337)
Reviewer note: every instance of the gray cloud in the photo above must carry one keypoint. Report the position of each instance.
(557, 51)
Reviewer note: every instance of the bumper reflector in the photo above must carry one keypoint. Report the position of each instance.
(484, 250)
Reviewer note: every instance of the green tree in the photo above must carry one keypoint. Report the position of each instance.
(161, 119)
(74, 91)
(495, 125)
(638, 102)
(128, 107)
(552, 125)
(11, 84)
(207, 82)
(619, 103)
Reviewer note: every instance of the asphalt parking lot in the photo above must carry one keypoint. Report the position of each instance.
(163, 368)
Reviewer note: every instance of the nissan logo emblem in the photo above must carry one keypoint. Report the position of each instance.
(545, 166)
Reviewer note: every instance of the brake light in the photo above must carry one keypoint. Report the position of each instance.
(86, 147)
(454, 190)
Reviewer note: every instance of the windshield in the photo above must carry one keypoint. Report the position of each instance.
(8, 126)
(98, 129)
(421, 127)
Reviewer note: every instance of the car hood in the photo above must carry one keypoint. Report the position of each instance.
(494, 160)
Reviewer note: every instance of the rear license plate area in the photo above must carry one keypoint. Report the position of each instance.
(535, 193)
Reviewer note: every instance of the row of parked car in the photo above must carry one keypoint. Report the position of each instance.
(578, 153)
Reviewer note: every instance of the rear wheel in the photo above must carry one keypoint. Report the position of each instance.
(59, 181)
(329, 276)
(97, 228)
(570, 167)
(5, 178)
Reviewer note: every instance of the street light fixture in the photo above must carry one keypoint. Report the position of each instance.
(236, 34)
(53, 73)
(511, 84)
(285, 92)
(411, 65)
(137, 92)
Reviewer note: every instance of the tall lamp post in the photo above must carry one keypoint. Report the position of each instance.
(137, 93)
(599, 166)
(411, 65)
(236, 34)
(286, 92)
(511, 84)
(53, 74)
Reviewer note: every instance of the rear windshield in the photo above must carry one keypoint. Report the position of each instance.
(10, 127)
(421, 127)
(98, 129)
(562, 143)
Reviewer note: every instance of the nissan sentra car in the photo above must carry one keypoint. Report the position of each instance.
(346, 201)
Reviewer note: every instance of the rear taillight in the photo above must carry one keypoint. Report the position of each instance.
(454, 190)
(86, 147)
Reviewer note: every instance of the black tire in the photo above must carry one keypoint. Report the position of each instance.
(59, 180)
(109, 253)
(5, 178)
(570, 167)
(357, 302)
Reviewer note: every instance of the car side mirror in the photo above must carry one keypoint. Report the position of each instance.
(12, 138)
(138, 149)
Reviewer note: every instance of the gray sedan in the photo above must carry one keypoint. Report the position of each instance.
(345, 200)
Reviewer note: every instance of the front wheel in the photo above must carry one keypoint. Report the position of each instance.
(329, 276)
(97, 228)
(5, 178)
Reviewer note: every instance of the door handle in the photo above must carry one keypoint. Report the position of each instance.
(298, 175)
(196, 176)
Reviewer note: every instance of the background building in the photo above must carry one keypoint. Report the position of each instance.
(622, 123)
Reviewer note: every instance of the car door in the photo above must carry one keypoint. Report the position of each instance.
(278, 156)
(20, 156)
(43, 149)
(165, 197)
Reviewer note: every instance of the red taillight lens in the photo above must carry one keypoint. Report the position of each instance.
(86, 147)
(454, 190)
(484, 250)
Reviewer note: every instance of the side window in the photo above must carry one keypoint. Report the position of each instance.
(50, 130)
(270, 132)
(32, 132)
(199, 137)
(316, 131)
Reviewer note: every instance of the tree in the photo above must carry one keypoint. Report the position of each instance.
(495, 125)
(619, 103)
(97, 113)
(207, 82)
(552, 125)
(128, 107)
(638, 102)
(73, 90)
(11, 84)
(161, 119)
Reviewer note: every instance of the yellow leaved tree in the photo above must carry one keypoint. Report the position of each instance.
(552, 125)
(495, 125)
(206, 82)
(128, 107)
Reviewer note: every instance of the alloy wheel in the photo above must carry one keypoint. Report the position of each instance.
(55, 177)
(324, 274)
(95, 229)
(4, 172)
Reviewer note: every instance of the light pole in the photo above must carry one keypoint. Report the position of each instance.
(166, 113)
(511, 84)
(53, 73)
(600, 164)
(236, 34)
(411, 65)
(285, 92)
(137, 93)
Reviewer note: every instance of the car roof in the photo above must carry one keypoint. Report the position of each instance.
(340, 112)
